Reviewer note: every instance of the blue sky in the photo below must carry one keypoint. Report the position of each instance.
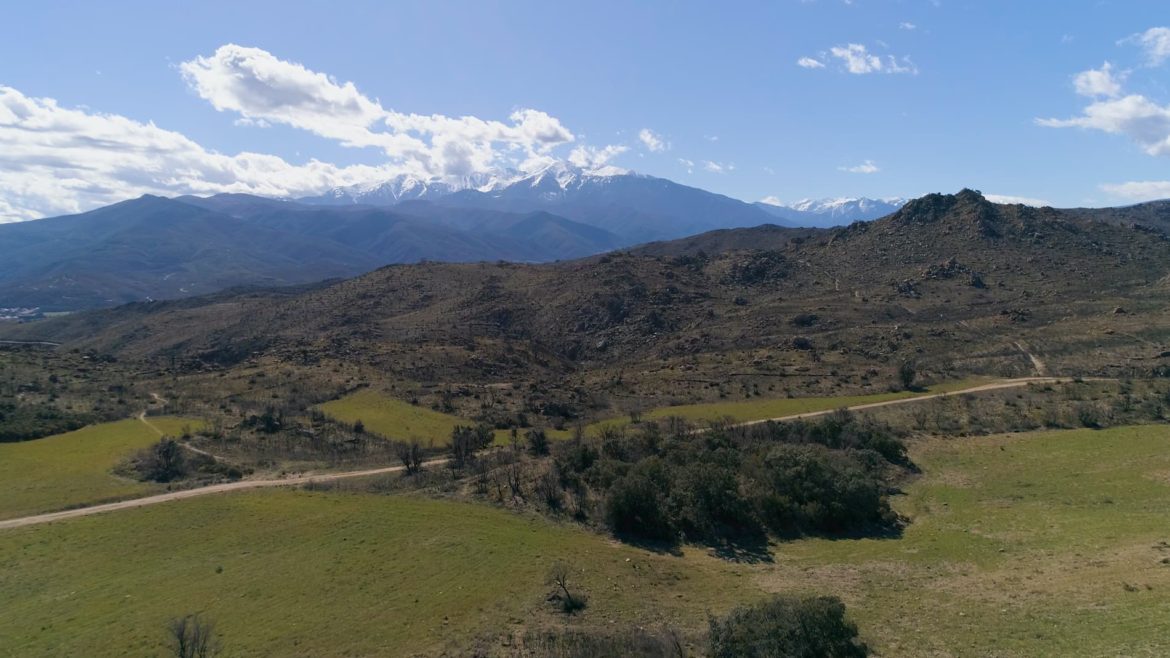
(785, 99)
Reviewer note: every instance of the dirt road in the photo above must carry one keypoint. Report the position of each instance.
(201, 491)
(1011, 383)
(331, 477)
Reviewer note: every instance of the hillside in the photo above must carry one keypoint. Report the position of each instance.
(953, 282)
(157, 248)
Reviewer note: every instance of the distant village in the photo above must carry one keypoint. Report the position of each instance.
(20, 314)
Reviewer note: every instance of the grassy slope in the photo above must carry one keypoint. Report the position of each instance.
(1022, 545)
(321, 574)
(391, 417)
(394, 418)
(68, 470)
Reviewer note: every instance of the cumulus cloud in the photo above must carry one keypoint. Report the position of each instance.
(263, 88)
(590, 157)
(718, 167)
(1099, 82)
(689, 165)
(1145, 122)
(772, 201)
(856, 58)
(1155, 42)
(906, 25)
(867, 167)
(56, 160)
(1139, 190)
(1023, 200)
(652, 140)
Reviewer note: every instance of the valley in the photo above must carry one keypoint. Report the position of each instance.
(668, 423)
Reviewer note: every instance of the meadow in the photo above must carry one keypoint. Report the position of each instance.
(74, 469)
(1045, 543)
(299, 573)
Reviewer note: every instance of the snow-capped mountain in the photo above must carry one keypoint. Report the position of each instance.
(408, 187)
(831, 212)
(636, 207)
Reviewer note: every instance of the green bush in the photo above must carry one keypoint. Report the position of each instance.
(786, 627)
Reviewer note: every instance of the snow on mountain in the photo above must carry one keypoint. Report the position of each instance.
(551, 182)
(831, 212)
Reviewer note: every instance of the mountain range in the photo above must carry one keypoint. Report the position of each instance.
(948, 280)
(160, 248)
(827, 213)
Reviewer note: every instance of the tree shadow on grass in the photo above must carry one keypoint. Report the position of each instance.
(754, 549)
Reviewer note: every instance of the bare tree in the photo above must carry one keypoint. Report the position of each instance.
(558, 575)
(410, 454)
(192, 636)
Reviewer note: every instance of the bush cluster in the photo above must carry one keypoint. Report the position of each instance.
(787, 479)
(786, 626)
(24, 422)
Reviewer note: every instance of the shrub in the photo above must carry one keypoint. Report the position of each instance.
(786, 627)
(813, 489)
(636, 506)
(164, 462)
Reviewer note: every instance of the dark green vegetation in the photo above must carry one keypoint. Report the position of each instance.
(786, 627)
(21, 422)
(732, 484)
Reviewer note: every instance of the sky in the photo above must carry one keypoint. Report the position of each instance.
(1051, 102)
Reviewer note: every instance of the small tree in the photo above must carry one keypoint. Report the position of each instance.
(359, 427)
(466, 441)
(906, 375)
(164, 462)
(192, 636)
(410, 454)
(559, 575)
(537, 442)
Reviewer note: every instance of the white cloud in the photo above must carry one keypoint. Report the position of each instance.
(1139, 190)
(1023, 200)
(856, 59)
(56, 160)
(772, 201)
(261, 87)
(1099, 82)
(906, 25)
(590, 157)
(867, 167)
(1137, 117)
(689, 165)
(718, 167)
(1155, 42)
(652, 141)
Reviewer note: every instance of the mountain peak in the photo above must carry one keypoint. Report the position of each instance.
(933, 207)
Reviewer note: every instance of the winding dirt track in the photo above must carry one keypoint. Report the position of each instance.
(331, 477)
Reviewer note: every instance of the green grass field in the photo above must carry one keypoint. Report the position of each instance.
(393, 418)
(73, 469)
(296, 573)
(390, 417)
(1042, 544)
